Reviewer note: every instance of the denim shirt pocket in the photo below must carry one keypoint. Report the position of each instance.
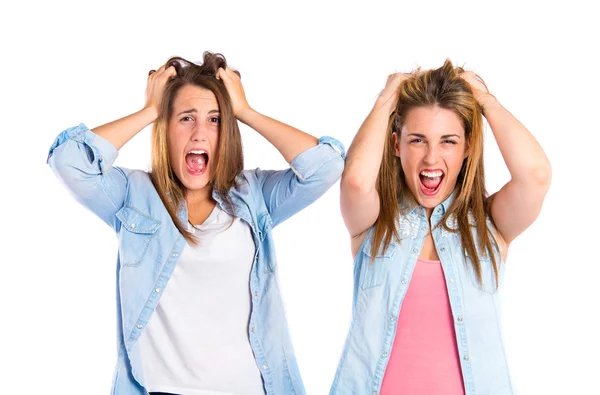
(373, 272)
(136, 233)
(488, 278)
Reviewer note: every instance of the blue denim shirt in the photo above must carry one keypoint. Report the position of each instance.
(150, 244)
(379, 290)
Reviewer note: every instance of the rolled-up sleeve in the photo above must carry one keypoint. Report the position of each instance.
(311, 174)
(83, 161)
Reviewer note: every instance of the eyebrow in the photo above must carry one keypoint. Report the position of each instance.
(193, 110)
(422, 136)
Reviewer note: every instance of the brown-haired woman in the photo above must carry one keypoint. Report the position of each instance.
(429, 243)
(202, 225)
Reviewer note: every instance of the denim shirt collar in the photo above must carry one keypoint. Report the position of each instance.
(182, 211)
(445, 205)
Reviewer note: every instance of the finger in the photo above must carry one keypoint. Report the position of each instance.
(160, 69)
(151, 72)
(221, 74)
(170, 72)
(232, 73)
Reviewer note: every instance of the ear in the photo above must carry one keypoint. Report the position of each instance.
(396, 143)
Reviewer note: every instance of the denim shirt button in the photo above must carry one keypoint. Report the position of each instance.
(384, 355)
(132, 226)
(460, 318)
(157, 290)
(140, 326)
(175, 254)
(374, 393)
(452, 280)
(265, 367)
(255, 293)
(467, 357)
(443, 249)
(415, 250)
(403, 281)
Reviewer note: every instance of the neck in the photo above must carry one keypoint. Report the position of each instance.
(199, 196)
(428, 212)
(200, 204)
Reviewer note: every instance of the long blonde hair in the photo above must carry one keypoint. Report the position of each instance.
(229, 158)
(445, 88)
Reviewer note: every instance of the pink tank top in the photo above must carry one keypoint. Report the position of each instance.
(424, 357)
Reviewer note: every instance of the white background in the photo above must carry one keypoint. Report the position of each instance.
(319, 68)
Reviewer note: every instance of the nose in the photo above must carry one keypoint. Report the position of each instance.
(431, 156)
(199, 132)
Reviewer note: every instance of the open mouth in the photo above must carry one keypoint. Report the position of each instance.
(197, 162)
(431, 181)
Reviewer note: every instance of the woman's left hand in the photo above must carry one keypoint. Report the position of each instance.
(479, 88)
(234, 87)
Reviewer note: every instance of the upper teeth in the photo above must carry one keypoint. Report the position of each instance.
(198, 152)
(432, 174)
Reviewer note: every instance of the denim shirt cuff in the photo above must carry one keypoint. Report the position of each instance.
(308, 162)
(99, 149)
(337, 145)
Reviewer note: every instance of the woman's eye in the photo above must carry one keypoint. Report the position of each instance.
(186, 119)
(416, 141)
(215, 120)
(450, 141)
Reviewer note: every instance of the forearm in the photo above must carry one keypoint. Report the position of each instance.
(83, 162)
(366, 151)
(523, 155)
(122, 130)
(289, 141)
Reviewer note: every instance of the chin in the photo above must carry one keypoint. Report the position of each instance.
(196, 184)
(429, 202)
(192, 182)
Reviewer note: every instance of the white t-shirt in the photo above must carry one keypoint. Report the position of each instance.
(196, 342)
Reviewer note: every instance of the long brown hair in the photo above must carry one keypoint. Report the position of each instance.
(229, 159)
(445, 88)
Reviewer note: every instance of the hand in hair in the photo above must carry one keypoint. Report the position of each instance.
(234, 87)
(156, 85)
(389, 95)
(478, 86)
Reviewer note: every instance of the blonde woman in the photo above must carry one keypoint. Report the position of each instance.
(199, 306)
(429, 243)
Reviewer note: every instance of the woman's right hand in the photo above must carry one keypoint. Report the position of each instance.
(119, 132)
(389, 95)
(157, 80)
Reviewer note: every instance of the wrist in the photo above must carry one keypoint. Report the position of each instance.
(486, 101)
(149, 114)
(385, 103)
(244, 114)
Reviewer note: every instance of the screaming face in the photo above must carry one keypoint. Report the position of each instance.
(194, 136)
(431, 147)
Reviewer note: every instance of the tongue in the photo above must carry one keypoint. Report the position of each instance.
(431, 182)
(196, 162)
